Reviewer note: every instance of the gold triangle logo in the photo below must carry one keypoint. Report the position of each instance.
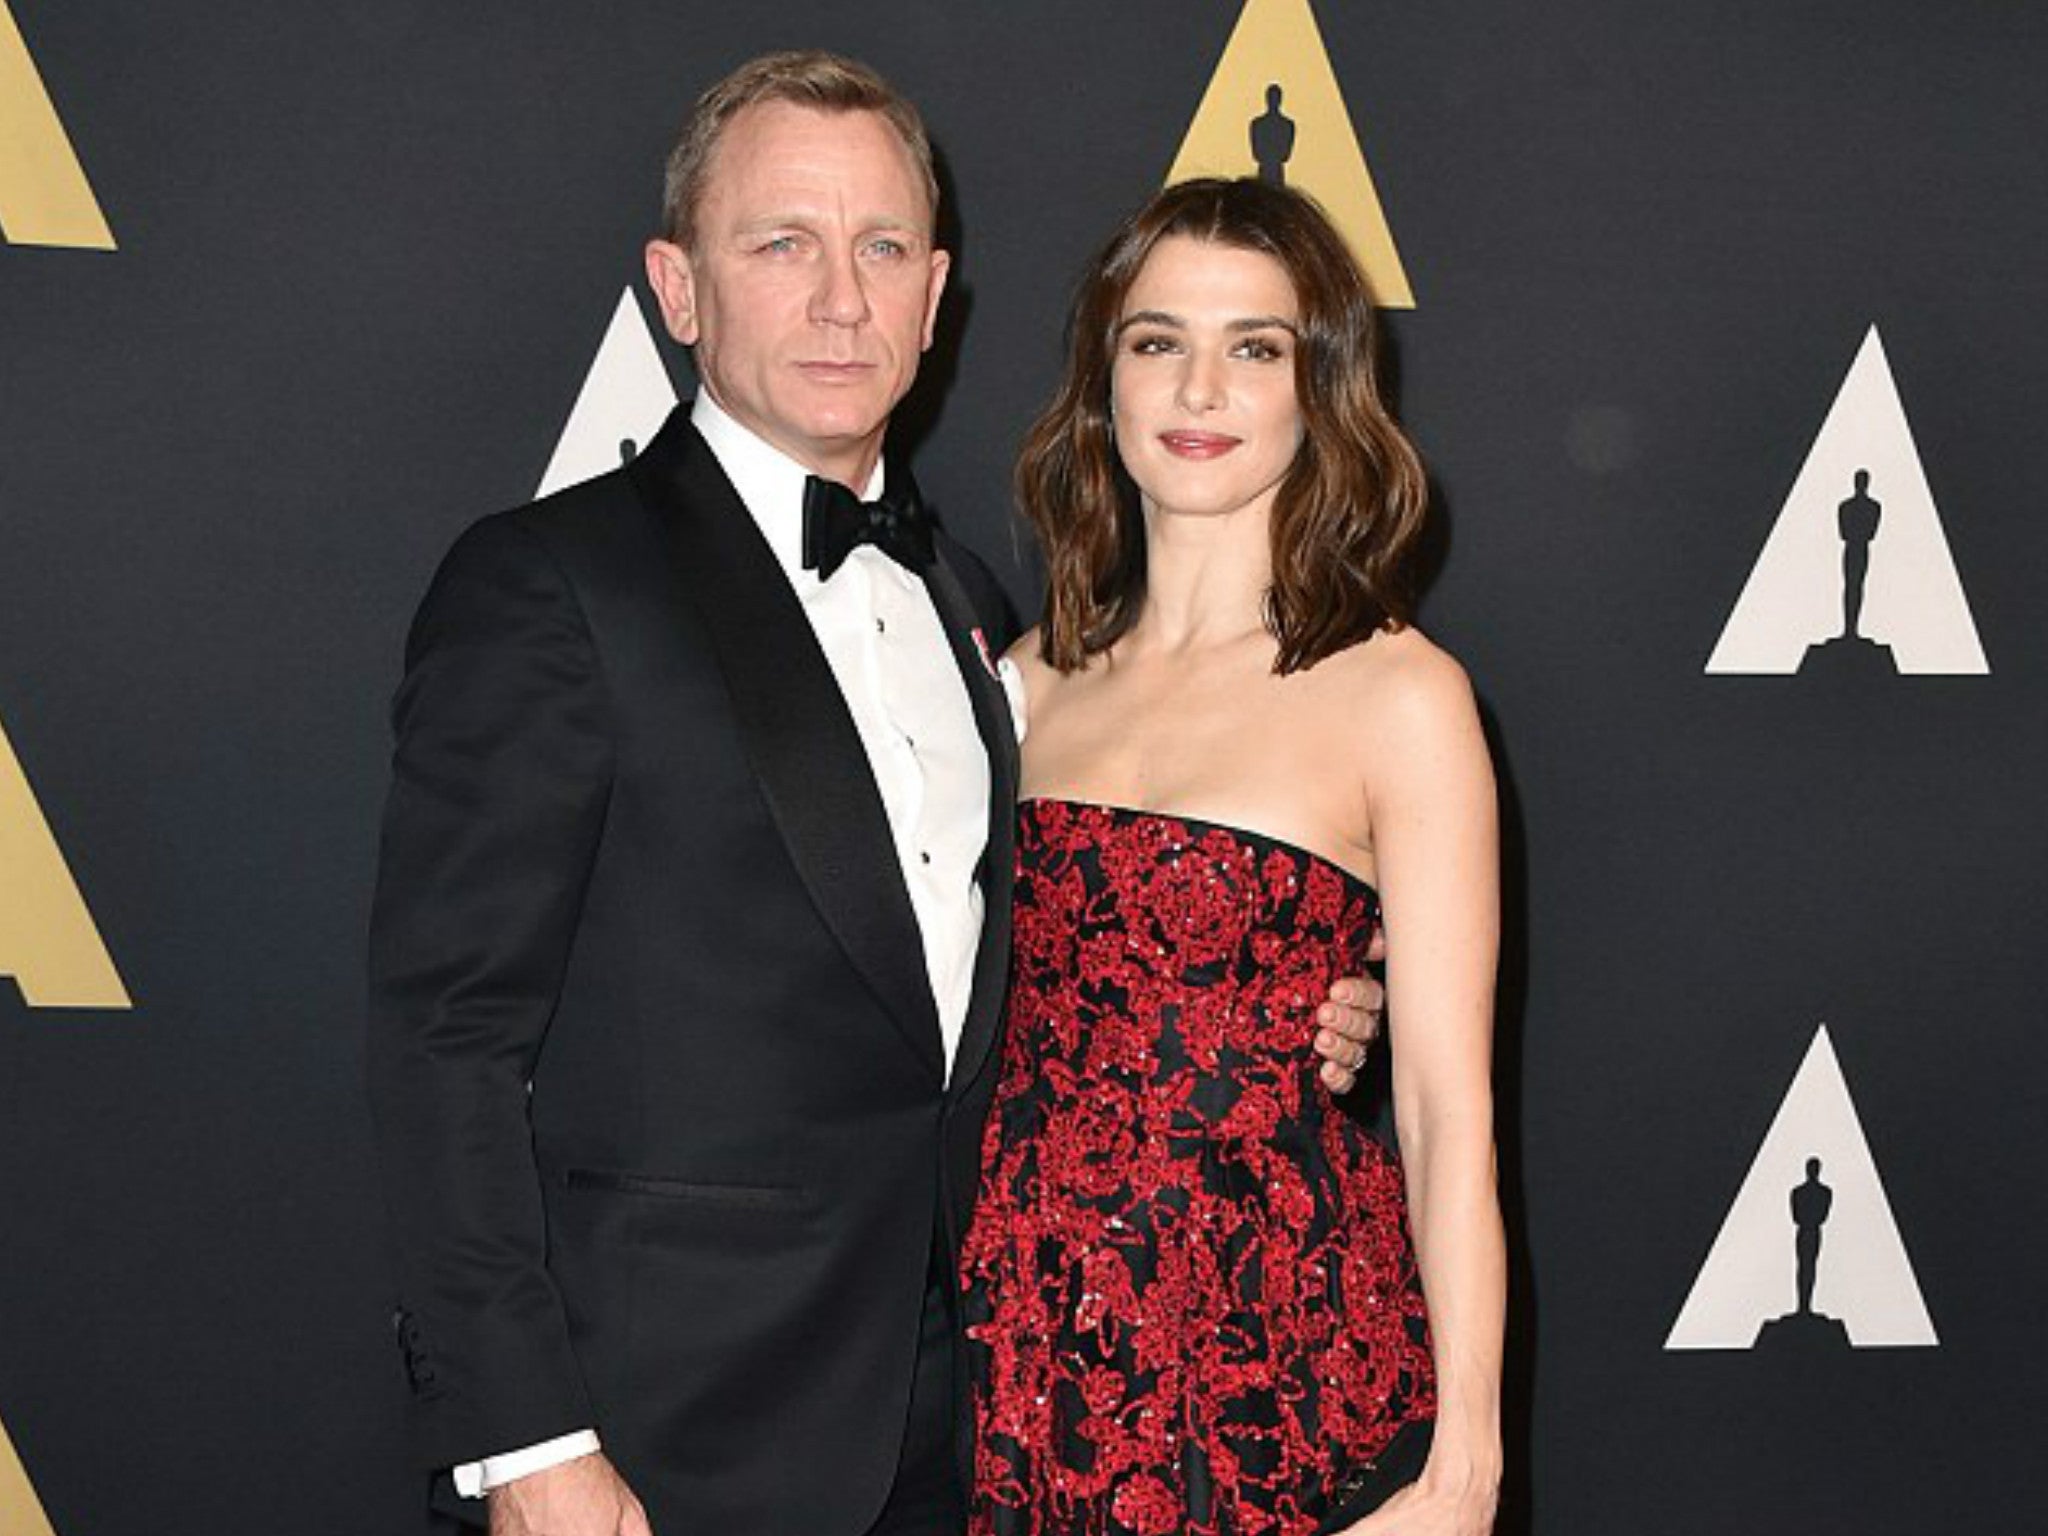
(21, 1512)
(44, 196)
(48, 941)
(1273, 109)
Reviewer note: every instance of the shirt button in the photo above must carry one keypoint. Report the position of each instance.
(881, 625)
(923, 857)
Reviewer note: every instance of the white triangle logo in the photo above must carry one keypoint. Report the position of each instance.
(1856, 575)
(1809, 1256)
(625, 397)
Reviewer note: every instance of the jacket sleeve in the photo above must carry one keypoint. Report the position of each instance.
(500, 776)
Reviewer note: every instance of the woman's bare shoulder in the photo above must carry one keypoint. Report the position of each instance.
(1023, 650)
(1404, 674)
(1410, 715)
(1025, 654)
(1025, 677)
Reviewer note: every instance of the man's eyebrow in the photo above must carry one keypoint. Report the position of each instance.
(795, 218)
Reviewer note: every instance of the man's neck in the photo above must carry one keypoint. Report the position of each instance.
(854, 468)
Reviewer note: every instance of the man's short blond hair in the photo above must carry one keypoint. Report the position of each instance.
(824, 82)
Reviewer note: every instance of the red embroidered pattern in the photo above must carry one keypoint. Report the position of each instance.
(1192, 1303)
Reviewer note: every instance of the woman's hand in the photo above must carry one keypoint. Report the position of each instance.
(1434, 1507)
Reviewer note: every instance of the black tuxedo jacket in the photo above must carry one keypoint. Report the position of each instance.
(655, 1063)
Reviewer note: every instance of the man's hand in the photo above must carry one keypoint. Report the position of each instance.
(1350, 1022)
(584, 1497)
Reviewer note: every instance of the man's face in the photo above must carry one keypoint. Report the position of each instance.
(813, 285)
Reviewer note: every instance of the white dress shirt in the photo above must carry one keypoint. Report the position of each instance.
(882, 638)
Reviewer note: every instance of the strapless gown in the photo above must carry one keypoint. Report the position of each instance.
(1190, 1294)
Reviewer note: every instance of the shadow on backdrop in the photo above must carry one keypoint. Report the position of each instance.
(921, 410)
(1518, 1369)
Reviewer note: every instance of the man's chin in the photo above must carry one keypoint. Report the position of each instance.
(843, 430)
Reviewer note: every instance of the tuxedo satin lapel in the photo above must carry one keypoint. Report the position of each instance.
(797, 730)
(999, 737)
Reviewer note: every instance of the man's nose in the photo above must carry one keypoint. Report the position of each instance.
(840, 297)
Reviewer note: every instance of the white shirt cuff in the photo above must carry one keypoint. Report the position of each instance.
(474, 1479)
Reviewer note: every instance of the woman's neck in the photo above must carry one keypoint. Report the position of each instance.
(1205, 580)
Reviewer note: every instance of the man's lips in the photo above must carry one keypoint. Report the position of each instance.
(1197, 445)
(827, 372)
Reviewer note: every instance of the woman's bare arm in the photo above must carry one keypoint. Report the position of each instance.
(1434, 819)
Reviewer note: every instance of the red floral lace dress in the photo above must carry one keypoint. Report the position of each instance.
(1191, 1299)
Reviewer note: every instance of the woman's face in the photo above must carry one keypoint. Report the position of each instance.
(1202, 384)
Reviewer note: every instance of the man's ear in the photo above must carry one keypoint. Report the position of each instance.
(674, 282)
(942, 263)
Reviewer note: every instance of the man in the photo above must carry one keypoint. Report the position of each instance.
(692, 922)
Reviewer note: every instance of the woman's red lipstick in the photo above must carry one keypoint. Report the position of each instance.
(1198, 445)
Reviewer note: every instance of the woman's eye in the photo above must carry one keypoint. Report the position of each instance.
(1151, 346)
(1260, 350)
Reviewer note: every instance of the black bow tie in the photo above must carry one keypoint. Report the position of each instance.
(836, 522)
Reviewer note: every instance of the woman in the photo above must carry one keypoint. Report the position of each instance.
(1193, 1300)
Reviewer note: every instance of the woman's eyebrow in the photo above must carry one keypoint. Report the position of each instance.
(1264, 323)
(1149, 317)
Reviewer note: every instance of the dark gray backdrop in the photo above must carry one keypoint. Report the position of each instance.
(366, 253)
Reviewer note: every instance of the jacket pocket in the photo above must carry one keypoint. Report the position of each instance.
(743, 1197)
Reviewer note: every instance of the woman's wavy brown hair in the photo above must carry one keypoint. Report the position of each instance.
(1347, 513)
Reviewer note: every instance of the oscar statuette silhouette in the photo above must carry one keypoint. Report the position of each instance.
(1272, 133)
(1852, 652)
(1803, 1329)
